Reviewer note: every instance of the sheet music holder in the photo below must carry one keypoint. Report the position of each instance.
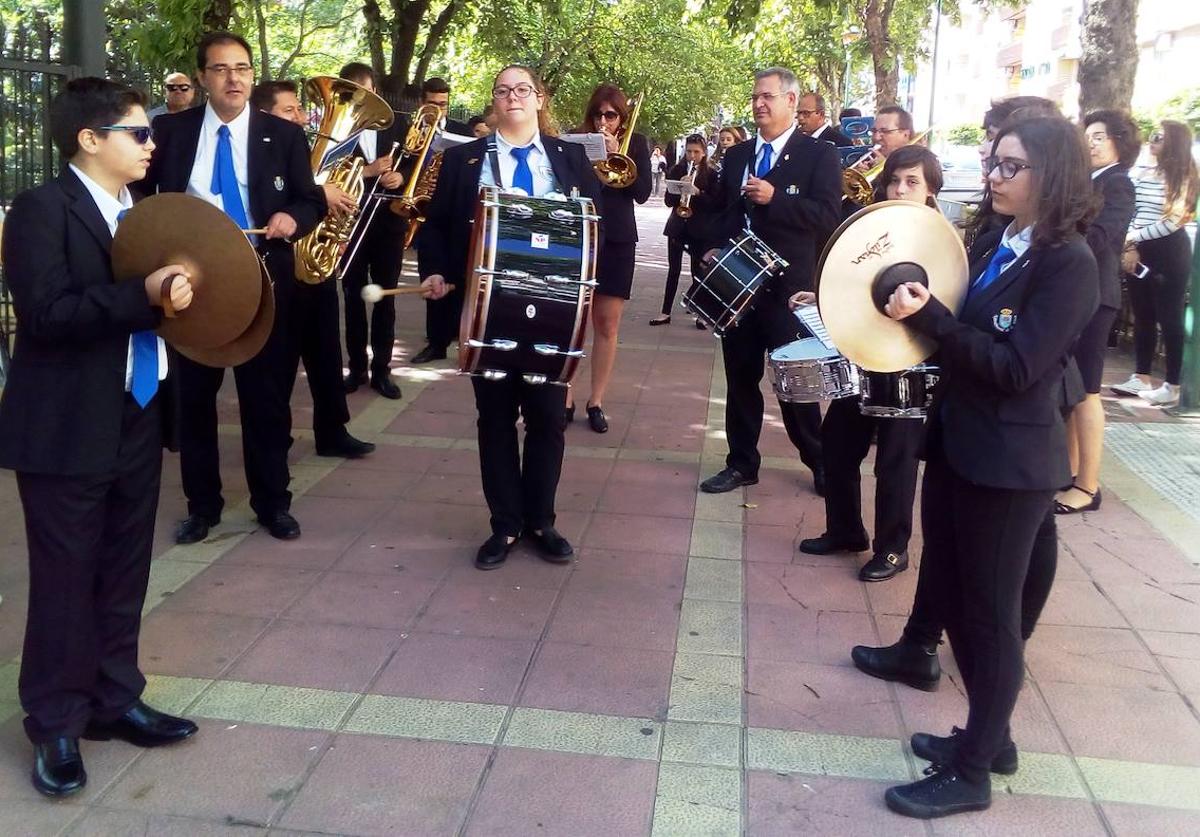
(445, 140)
(593, 144)
(810, 315)
(681, 187)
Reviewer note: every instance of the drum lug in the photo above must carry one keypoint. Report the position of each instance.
(562, 215)
(493, 374)
(519, 275)
(499, 344)
(549, 350)
(521, 210)
(555, 279)
(530, 378)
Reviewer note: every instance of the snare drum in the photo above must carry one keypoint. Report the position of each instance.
(904, 394)
(805, 372)
(724, 294)
(529, 287)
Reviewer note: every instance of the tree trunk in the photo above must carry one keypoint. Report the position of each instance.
(1109, 61)
(876, 19)
(434, 39)
(218, 15)
(264, 57)
(406, 25)
(374, 33)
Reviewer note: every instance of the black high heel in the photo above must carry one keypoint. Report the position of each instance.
(568, 416)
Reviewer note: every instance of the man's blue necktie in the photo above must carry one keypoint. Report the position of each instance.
(523, 176)
(764, 161)
(1003, 255)
(143, 382)
(224, 180)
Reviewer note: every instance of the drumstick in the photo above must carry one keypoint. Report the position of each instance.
(374, 293)
(259, 231)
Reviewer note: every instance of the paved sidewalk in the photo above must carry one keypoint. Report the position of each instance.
(689, 674)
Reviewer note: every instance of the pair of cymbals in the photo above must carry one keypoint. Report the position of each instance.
(866, 258)
(233, 304)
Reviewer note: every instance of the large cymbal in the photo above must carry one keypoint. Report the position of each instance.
(174, 228)
(250, 342)
(874, 250)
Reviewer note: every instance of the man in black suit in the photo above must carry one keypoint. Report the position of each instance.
(82, 423)
(814, 121)
(787, 188)
(254, 167)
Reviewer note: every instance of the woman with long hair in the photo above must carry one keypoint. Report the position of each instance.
(688, 232)
(995, 443)
(607, 113)
(1157, 261)
(727, 137)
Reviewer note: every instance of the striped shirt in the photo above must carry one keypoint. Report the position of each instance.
(1152, 217)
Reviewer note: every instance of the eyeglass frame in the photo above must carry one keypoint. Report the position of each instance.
(228, 71)
(135, 131)
(504, 91)
(178, 88)
(992, 163)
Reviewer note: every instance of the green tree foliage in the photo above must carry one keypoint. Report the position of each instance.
(969, 134)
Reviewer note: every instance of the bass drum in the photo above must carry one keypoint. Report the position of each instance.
(531, 273)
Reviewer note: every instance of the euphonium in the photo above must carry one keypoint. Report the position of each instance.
(419, 189)
(858, 180)
(684, 208)
(348, 110)
(423, 194)
(618, 170)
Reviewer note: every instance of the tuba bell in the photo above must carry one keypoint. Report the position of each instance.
(348, 110)
(618, 169)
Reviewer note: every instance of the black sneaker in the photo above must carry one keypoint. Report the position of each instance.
(941, 793)
(941, 749)
(905, 662)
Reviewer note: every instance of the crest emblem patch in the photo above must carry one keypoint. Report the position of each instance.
(1004, 320)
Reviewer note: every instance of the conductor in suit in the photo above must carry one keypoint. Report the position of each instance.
(255, 168)
(82, 423)
(787, 188)
(814, 121)
(519, 486)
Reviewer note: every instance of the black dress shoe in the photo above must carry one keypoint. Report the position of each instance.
(58, 767)
(941, 749)
(383, 385)
(429, 353)
(194, 528)
(596, 419)
(665, 319)
(353, 381)
(826, 544)
(726, 480)
(281, 525)
(347, 447)
(493, 552)
(568, 416)
(142, 726)
(905, 662)
(554, 547)
(819, 482)
(941, 793)
(883, 567)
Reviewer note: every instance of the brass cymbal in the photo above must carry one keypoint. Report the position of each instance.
(250, 342)
(869, 254)
(174, 228)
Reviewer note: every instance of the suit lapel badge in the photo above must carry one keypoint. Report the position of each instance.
(266, 139)
(792, 189)
(1004, 320)
(278, 183)
(787, 157)
(472, 161)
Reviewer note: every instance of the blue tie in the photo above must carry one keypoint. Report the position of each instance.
(224, 180)
(144, 380)
(1003, 255)
(764, 162)
(523, 176)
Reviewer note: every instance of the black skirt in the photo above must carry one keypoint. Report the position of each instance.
(614, 268)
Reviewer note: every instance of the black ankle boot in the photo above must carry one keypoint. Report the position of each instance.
(941, 793)
(905, 662)
(942, 749)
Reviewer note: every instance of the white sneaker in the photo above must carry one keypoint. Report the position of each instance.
(1162, 396)
(1131, 387)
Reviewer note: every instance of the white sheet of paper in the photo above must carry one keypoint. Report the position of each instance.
(446, 140)
(592, 143)
(681, 187)
(810, 315)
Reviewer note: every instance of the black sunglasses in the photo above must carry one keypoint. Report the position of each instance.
(179, 88)
(141, 134)
(608, 114)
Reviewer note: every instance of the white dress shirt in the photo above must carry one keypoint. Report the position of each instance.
(1018, 242)
(539, 163)
(368, 141)
(817, 133)
(110, 208)
(776, 144)
(200, 183)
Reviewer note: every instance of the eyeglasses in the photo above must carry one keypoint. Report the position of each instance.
(804, 114)
(1157, 136)
(766, 98)
(1008, 168)
(607, 114)
(1097, 138)
(521, 91)
(178, 88)
(242, 70)
(141, 134)
(885, 130)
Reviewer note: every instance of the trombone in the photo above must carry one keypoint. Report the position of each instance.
(618, 169)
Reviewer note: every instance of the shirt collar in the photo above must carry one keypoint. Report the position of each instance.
(239, 127)
(503, 146)
(777, 144)
(1099, 172)
(817, 133)
(1018, 242)
(110, 207)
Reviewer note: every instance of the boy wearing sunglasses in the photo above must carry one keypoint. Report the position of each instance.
(81, 422)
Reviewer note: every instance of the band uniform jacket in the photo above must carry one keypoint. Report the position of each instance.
(694, 229)
(386, 221)
(61, 410)
(1106, 234)
(446, 234)
(620, 226)
(995, 415)
(805, 208)
(832, 135)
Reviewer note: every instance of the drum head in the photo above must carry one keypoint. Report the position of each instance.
(810, 348)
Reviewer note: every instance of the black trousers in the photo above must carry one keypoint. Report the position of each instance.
(978, 546)
(313, 337)
(675, 247)
(442, 316)
(520, 491)
(744, 349)
(1158, 302)
(90, 541)
(264, 387)
(378, 261)
(845, 441)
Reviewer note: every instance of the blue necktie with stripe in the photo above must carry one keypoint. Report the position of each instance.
(143, 382)
(224, 180)
(1003, 255)
(764, 161)
(523, 176)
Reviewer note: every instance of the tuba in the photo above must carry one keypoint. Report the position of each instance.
(348, 110)
(858, 180)
(618, 170)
